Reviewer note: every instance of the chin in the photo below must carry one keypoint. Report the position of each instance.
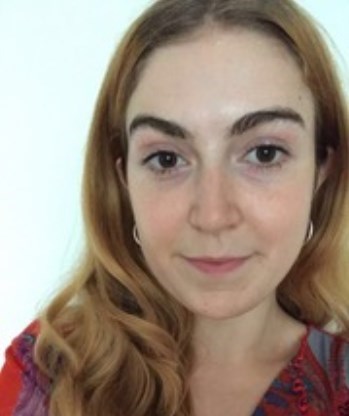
(221, 311)
(226, 307)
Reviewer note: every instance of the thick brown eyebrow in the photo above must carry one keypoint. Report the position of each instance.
(170, 128)
(251, 120)
(240, 126)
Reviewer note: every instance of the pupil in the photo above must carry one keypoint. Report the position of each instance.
(266, 154)
(167, 160)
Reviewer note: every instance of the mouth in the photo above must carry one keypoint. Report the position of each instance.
(216, 266)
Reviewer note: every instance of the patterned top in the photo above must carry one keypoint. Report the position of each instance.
(314, 383)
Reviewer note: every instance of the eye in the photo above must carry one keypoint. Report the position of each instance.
(163, 162)
(267, 156)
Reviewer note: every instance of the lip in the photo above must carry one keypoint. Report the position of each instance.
(214, 265)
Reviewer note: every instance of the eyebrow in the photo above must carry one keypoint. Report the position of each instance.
(243, 124)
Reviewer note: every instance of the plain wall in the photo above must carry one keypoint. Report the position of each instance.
(53, 55)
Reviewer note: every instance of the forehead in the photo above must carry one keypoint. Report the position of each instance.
(217, 72)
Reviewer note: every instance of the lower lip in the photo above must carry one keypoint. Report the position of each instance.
(217, 268)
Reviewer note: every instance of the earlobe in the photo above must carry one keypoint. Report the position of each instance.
(120, 172)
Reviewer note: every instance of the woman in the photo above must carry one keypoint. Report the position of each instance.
(214, 189)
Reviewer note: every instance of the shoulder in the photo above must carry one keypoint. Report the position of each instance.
(327, 363)
(23, 388)
(331, 352)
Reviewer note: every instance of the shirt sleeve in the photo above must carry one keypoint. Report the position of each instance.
(23, 389)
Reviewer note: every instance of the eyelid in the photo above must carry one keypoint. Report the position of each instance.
(161, 171)
(269, 140)
(149, 145)
(281, 157)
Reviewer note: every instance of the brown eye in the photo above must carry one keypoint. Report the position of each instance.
(167, 160)
(266, 154)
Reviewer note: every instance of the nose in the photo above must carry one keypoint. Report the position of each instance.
(215, 202)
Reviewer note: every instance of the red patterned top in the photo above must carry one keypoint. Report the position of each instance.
(314, 383)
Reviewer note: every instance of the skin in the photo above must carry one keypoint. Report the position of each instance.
(219, 199)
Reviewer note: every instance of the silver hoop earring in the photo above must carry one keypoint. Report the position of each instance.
(136, 236)
(310, 232)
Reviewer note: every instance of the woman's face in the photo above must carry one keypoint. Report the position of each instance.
(221, 168)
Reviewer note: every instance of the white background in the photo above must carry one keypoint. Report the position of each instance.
(53, 55)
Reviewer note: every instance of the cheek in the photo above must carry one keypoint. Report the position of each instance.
(282, 217)
(160, 220)
(160, 215)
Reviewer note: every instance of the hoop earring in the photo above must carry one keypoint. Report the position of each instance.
(136, 236)
(310, 232)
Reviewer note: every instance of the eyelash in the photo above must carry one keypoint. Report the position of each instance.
(280, 153)
(160, 170)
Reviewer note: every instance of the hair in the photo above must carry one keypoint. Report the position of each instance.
(112, 341)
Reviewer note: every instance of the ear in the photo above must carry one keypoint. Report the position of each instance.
(324, 170)
(120, 172)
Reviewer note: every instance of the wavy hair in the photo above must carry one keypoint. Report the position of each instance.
(112, 341)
